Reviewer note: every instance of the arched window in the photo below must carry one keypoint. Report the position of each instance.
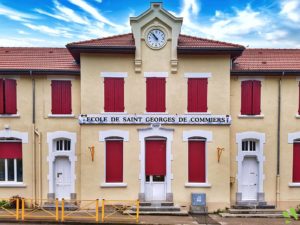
(296, 161)
(62, 145)
(249, 145)
(114, 160)
(197, 160)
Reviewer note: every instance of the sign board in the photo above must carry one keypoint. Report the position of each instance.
(154, 119)
(198, 199)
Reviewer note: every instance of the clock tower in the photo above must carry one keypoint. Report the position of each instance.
(156, 34)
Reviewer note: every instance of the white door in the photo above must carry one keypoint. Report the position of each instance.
(155, 188)
(62, 177)
(250, 179)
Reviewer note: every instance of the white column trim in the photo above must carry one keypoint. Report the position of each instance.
(114, 74)
(197, 75)
(259, 154)
(156, 74)
(8, 133)
(160, 132)
(51, 136)
(113, 133)
(197, 133)
(251, 78)
(293, 136)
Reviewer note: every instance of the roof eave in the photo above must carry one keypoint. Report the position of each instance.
(234, 52)
(38, 72)
(264, 72)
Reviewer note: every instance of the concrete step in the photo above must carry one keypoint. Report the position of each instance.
(157, 208)
(264, 215)
(254, 211)
(164, 213)
(68, 206)
(156, 203)
(253, 206)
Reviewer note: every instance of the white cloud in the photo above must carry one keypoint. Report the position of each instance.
(291, 10)
(56, 31)
(29, 42)
(14, 14)
(23, 32)
(99, 1)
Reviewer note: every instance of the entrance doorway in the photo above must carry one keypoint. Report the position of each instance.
(250, 179)
(155, 170)
(62, 177)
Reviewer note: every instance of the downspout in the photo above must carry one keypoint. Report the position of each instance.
(33, 140)
(40, 165)
(278, 141)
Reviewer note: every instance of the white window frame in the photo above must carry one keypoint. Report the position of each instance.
(15, 172)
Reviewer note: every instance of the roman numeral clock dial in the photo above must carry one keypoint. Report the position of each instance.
(156, 38)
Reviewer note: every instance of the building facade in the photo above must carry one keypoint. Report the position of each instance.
(154, 115)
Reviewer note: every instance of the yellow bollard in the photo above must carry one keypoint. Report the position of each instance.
(56, 209)
(137, 210)
(102, 209)
(62, 210)
(17, 209)
(23, 209)
(97, 210)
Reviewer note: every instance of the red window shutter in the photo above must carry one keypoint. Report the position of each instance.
(66, 97)
(156, 94)
(10, 98)
(1, 96)
(119, 94)
(196, 164)
(10, 150)
(155, 157)
(109, 95)
(192, 95)
(56, 97)
(296, 162)
(114, 161)
(246, 98)
(197, 95)
(256, 97)
(298, 101)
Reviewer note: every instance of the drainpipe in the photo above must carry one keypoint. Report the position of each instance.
(278, 141)
(40, 164)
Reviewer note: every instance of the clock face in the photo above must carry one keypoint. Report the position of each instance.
(156, 38)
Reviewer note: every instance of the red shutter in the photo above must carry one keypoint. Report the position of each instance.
(114, 161)
(202, 95)
(256, 97)
(10, 150)
(56, 97)
(119, 94)
(10, 96)
(155, 157)
(197, 95)
(1, 96)
(196, 164)
(192, 95)
(156, 94)
(246, 98)
(66, 98)
(296, 163)
(150, 98)
(298, 100)
(109, 95)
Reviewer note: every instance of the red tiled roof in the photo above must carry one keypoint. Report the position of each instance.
(127, 40)
(36, 59)
(268, 60)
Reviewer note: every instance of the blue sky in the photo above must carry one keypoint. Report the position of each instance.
(253, 23)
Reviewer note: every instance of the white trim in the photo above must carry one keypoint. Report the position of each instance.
(51, 137)
(259, 154)
(261, 116)
(251, 78)
(197, 75)
(293, 136)
(297, 79)
(13, 77)
(61, 115)
(156, 113)
(156, 74)
(196, 185)
(198, 113)
(114, 74)
(59, 78)
(292, 184)
(115, 113)
(197, 133)
(10, 115)
(113, 133)
(297, 116)
(158, 132)
(12, 184)
(113, 185)
(7, 133)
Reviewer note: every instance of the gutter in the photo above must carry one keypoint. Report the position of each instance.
(264, 72)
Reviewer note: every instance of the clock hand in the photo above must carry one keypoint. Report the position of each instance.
(156, 38)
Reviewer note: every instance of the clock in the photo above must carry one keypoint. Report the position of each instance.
(156, 38)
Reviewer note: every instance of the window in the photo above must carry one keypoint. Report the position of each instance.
(63, 145)
(8, 96)
(114, 94)
(11, 166)
(250, 101)
(296, 162)
(196, 161)
(114, 160)
(197, 95)
(156, 94)
(249, 146)
(61, 97)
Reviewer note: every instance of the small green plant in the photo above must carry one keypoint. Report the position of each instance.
(4, 204)
(290, 214)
